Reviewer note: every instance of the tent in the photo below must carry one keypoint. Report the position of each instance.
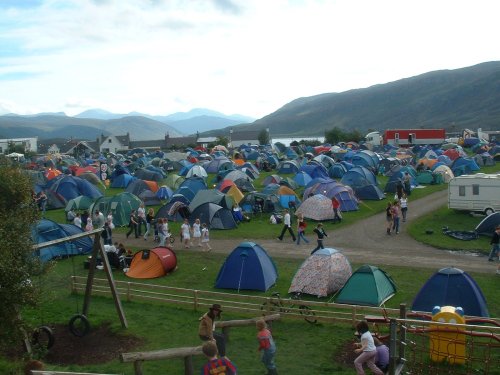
(210, 195)
(48, 230)
(368, 286)
(79, 203)
(322, 273)
(451, 287)
(215, 216)
(119, 205)
(149, 264)
(122, 180)
(248, 267)
(317, 207)
(488, 224)
(71, 187)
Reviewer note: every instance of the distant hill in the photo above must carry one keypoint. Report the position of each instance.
(451, 99)
(57, 126)
(196, 120)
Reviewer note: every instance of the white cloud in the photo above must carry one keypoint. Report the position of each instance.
(248, 57)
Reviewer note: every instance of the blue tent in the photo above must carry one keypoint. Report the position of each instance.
(451, 287)
(288, 166)
(248, 267)
(122, 180)
(302, 178)
(70, 187)
(48, 230)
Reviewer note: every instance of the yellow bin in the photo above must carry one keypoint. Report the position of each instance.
(449, 343)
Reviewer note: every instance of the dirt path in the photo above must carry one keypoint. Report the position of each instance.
(363, 242)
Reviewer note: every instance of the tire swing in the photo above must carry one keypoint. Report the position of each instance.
(78, 325)
(42, 336)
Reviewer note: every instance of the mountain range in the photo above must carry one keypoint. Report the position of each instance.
(451, 99)
(92, 123)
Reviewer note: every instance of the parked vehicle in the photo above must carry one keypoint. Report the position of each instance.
(477, 193)
(406, 137)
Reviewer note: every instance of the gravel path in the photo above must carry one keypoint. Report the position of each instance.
(363, 242)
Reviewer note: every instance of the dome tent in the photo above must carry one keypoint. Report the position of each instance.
(322, 273)
(248, 267)
(368, 286)
(451, 287)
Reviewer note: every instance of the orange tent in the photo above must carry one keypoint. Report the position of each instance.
(52, 173)
(149, 264)
(153, 185)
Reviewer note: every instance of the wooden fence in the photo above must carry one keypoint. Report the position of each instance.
(239, 303)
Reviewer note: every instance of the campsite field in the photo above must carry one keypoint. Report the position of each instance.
(163, 326)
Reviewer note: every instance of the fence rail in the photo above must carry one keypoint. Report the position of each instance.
(240, 303)
(411, 341)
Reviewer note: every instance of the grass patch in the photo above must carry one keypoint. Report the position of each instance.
(166, 326)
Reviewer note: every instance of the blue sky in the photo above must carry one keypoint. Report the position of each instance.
(235, 56)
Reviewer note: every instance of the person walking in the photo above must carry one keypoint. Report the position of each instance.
(366, 350)
(107, 234)
(77, 220)
(186, 233)
(141, 219)
(266, 346)
(336, 210)
(132, 224)
(321, 234)
(197, 233)
(388, 217)
(287, 225)
(205, 238)
(206, 329)
(407, 183)
(403, 202)
(301, 228)
(150, 216)
(395, 217)
(495, 247)
(163, 230)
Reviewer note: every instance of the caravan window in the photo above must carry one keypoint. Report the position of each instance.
(475, 189)
(461, 191)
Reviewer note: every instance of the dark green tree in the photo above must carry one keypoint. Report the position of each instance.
(18, 268)
(334, 136)
(263, 137)
(221, 140)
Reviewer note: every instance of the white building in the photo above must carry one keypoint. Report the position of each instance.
(29, 144)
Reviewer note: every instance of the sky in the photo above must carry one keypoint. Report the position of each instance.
(247, 57)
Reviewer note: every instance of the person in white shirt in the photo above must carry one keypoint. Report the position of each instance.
(141, 219)
(77, 220)
(186, 233)
(287, 225)
(197, 232)
(366, 349)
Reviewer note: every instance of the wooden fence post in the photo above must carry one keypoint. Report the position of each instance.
(195, 300)
(392, 347)
(138, 367)
(188, 365)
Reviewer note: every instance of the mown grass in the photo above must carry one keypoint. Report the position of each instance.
(165, 326)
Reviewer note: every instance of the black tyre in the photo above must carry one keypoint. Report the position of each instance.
(43, 337)
(309, 316)
(79, 325)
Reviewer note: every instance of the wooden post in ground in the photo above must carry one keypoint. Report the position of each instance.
(402, 334)
(392, 347)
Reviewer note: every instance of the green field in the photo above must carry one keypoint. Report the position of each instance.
(166, 326)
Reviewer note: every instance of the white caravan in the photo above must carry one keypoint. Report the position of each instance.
(479, 193)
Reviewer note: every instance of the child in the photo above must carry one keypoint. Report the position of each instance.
(267, 346)
(320, 232)
(205, 238)
(366, 350)
(186, 233)
(216, 365)
(301, 228)
(382, 357)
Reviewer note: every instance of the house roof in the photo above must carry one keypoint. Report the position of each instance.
(245, 135)
(180, 141)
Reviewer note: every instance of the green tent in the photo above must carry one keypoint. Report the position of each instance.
(120, 206)
(368, 286)
(81, 202)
